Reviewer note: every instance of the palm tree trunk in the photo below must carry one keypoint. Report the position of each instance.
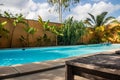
(60, 11)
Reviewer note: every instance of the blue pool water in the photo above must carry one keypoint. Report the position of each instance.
(19, 56)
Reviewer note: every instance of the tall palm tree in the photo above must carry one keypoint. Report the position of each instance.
(62, 4)
(99, 20)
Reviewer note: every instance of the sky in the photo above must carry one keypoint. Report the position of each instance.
(31, 9)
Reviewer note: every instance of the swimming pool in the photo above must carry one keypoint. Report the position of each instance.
(28, 55)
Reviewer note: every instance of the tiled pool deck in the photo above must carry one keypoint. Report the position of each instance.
(50, 70)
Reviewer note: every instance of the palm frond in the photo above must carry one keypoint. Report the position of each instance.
(108, 19)
(100, 18)
(90, 21)
(92, 17)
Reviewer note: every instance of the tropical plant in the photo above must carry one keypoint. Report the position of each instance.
(3, 31)
(62, 4)
(97, 25)
(39, 41)
(46, 27)
(30, 32)
(43, 41)
(111, 33)
(99, 20)
(72, 31)
(18, 18)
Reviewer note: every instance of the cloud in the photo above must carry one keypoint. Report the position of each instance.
(15, 3)
(98, 0)
(118, 18)
(81, 11)
(30, 9)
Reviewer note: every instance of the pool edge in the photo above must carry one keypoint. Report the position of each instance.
(23, 69)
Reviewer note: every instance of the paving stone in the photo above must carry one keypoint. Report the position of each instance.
(30, 67)
(56, 74)
(5, 71)
(37, 66)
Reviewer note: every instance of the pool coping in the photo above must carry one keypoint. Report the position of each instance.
(23, 69)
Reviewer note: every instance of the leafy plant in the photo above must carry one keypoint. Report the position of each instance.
(3, 31)
(8, 15)
(47, 27)
(112, 34)
(72, 31)
(98, 26)
(99, 20)
(106, 34)
(43, 41)
(30, 32)
(18, 18)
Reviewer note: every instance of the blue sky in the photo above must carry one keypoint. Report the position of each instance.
(32, 8)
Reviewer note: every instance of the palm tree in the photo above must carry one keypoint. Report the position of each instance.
(98, 25)
(62, 3)
(99, 20)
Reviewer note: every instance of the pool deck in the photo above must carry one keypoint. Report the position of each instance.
(49, 70)
(56, 74)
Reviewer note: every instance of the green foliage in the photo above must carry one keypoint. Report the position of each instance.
(3, 32)
(23, 41)
(112, 34)
(30, 32)
(99, 20)
(18, 18)
(97, 24)
(8, 15)
(72, 31)
(53, 29)
(47, 27)
(42, 41)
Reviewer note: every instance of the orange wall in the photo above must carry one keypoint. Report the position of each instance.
(19, 30)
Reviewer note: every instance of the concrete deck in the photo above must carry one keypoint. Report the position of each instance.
(56, 74)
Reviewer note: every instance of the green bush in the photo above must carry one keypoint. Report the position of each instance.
(72, 31)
